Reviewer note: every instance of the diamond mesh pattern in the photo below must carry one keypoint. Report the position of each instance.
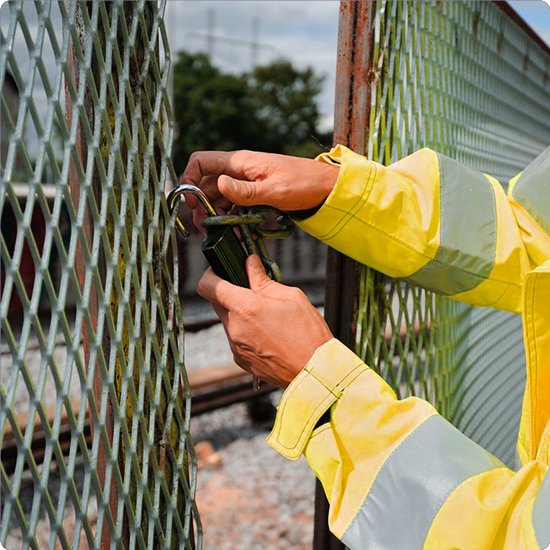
(464, 79)
(92, 327)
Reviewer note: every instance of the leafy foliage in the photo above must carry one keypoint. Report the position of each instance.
(273, 109)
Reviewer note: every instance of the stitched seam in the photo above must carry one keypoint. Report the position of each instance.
(369, 181)
(304, 377)
(426, 256)
(320, 430)
(500, 297)
(363, 199)
(314, 415)
(442, 500)
(356, 517)
(349, 214)
(442, 215)
(441, 208)
(384, 465)
(322, 384)
(344, 383)
(323, 406)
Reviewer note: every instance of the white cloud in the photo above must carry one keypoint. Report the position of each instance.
(303, 31)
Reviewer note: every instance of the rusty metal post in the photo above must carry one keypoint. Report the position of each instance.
(351, 116)
(76, 175)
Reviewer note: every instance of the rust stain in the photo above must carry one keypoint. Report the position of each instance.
(354, 74)
(500, 42)
(475, 25)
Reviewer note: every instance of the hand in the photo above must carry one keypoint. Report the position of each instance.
(247, 178)
(273, 330)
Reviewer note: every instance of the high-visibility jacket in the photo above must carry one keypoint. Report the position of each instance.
(399, 476)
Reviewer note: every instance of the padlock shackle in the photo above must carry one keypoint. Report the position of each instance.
(174, 196)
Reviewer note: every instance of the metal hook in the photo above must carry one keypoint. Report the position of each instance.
(173, 197)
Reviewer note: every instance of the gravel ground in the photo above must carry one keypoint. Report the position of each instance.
(251, 497)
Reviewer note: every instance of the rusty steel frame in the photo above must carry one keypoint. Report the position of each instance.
(351, 109)
(354, 76)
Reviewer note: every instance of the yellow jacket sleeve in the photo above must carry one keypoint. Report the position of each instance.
(435, 222)
(396, 474)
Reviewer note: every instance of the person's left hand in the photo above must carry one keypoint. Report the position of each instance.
(273, 329)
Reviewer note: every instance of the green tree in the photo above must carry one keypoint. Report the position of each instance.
(212, 110)
(284, 99)
(270, 109)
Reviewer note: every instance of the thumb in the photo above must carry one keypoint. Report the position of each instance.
(257, 276)
(241, 192)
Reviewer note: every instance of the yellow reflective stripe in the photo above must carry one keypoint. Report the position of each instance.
(412, 485)
(541, 513)
(468, 231)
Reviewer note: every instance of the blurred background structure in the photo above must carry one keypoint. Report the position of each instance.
(102, 103)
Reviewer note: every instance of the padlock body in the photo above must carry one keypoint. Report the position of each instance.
(226, 255)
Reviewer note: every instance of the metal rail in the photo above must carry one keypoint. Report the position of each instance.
(352, 103)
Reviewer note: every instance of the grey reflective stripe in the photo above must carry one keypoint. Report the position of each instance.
(413, 483)
(468, 231)
(541, 513)
(532, 190)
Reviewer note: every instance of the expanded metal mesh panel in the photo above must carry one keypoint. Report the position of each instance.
(466, 80)
(94, 420)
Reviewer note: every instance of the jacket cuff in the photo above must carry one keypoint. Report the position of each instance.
(351, 191)
(331, 368)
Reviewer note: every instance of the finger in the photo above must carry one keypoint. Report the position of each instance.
(209, 185)
(199, 214)
(208, 163)
(220, 292)
(250, 193)
(257, 276)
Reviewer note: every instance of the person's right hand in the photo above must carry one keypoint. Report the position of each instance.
(247, 178)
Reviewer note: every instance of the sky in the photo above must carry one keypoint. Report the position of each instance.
(303, 31)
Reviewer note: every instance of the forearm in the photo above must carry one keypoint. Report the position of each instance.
(430, 220)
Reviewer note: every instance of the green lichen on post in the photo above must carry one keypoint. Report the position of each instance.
(141, 305)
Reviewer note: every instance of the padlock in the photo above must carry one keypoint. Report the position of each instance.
(221, 247)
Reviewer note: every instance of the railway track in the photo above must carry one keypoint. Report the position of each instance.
(212, 388)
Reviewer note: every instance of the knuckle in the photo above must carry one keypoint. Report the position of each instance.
(249, 192)
(195, 155)
(243, 154)
(297, 294)
(202, 287)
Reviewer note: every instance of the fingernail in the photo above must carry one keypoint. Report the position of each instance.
(257, 265)
(230, 184)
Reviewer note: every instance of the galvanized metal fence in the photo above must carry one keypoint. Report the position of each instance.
(472, 81)
(466, 79)
(94, 418)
